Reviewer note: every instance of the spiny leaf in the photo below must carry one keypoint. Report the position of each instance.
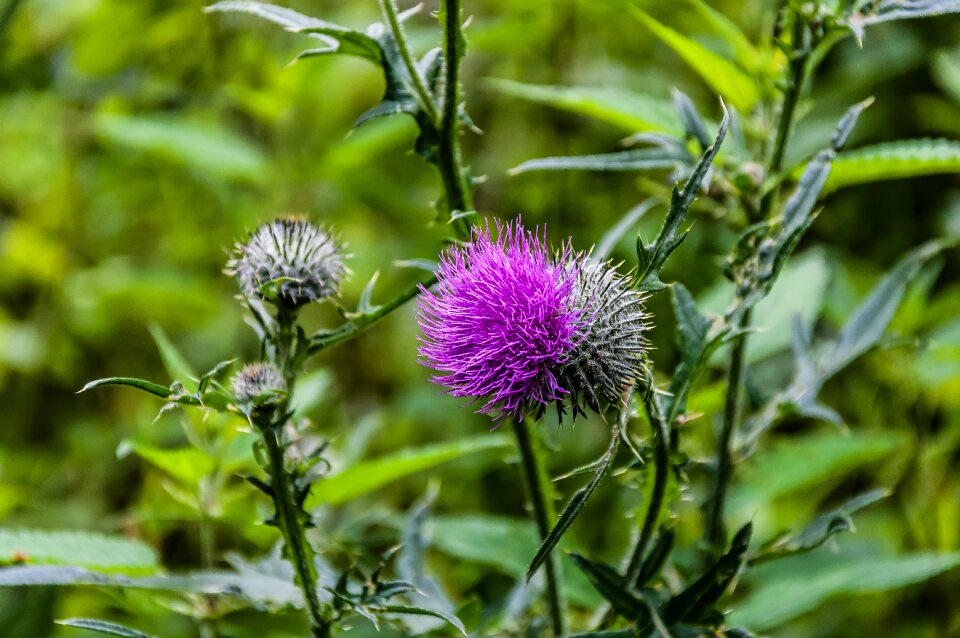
(643, 159)
(693, 341)
(719, 73)
(670, 235)
(611, 586)
(575, 506)
(630, 111)
(147, 386)
(102, 627)
(657, 557)
(894, 160)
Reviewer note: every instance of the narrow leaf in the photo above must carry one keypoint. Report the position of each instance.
(613, 236)
(611, 586)
(102, 627)
(419, 611)
(643, 159)
(894, 160)
(147, 386)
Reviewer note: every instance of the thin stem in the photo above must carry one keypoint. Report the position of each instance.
(661, 458)
(389, 10)
(534, 472)
(456, 186)
(292, 528)
(715, 533)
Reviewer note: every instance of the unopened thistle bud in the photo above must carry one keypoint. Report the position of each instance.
(259, 384)
(298, 261)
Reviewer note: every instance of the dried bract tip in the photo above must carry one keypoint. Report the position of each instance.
(258, 384)
(289, 261)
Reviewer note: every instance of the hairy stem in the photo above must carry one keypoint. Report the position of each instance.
(661, 458)
(535, 474)
(294, 537)
(389, 10)
(456, 186)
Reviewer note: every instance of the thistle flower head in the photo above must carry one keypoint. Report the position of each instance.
(499, 322)
(608, 354)
(258, 383)
(515, 327)
(305, 262)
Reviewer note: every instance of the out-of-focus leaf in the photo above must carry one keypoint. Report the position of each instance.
(693, 122)
(187, 464)
(75, 548)
(175, 363)
(893, 160)
(102, 627)
(820, 530)
(743, 51)
(420, 611)
(207, 147)
(693, 330)
(889, 10)
(653, 257)
(720, 74)
(613, 236)
(630, 111)
(366, 476)
(778, 595)
(612, 587)
(641, 159)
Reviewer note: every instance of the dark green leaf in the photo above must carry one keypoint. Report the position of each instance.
(644, 159)
(147, 386)
(693, 341)
(102, 627)
(657, 557)
(670, 235)
(692, 120)
(574, 507)
(612, 587)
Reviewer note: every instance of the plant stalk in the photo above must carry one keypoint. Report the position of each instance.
(389, 10)
(535, 474)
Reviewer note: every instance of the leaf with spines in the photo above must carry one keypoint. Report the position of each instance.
(894, 160)
(657, 557)
(102, 627)
(612, 587)
(719, 73)
(575, 506)
(694, 342)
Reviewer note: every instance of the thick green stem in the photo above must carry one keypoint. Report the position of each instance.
(294, 537)
(456, 185)
(535, 474)
(389, 10)
(661, 476)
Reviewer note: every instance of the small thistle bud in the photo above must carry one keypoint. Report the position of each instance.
(258, 384)
(305, 262)
(608, 354)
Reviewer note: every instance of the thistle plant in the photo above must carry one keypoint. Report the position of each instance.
(514, 325)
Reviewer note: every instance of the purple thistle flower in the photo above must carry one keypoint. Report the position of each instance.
(500, 322)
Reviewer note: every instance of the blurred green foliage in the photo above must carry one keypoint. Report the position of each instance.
(139, 139)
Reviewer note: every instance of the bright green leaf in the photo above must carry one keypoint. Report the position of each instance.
(894, 160)
(75, 548)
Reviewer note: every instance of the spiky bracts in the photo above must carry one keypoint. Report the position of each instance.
(258, 383)
(290, 261)
(515, 327)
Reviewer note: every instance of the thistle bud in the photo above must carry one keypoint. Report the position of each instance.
(259, 384)
(288, 261)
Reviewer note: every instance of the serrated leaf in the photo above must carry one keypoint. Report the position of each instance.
(76, 548)
(574, 507)
(717, 72)
(147, 386)
(630, 111)
(643, 159)
(366, 476)
(611, 586)
(894, 160)
(820, 530)
(102, 627)
(778, 595)
(670, 235)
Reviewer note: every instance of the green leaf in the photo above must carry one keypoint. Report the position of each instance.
(894, 160)
(693, 331)
(611, 586)
(174, 362)
(419, 611)
(657, 557)
(820, 530)
(613, 236)
(869, 322)
(743, 51)
(147, 386)
(804, 463)
(630, 111)
(336, 38)
(574, 507)
(102, 627)
(188, 464)
(76, 548)
(720, 74)
(693, 123)
(367, 476)
(206, 147)
(642, 159)
(778, 595)
(670, 236)
(889, 10)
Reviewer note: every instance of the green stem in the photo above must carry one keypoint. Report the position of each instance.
(294, 537)
(456, 186)
(715, 533)
(661, 458)
(535, 473)
(389, 10)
